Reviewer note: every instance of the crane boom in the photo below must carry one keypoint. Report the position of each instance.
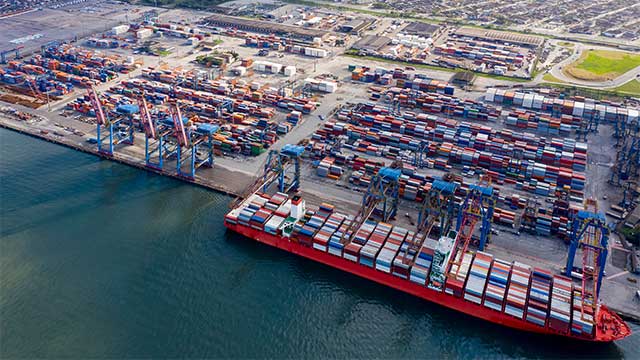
(97, 105)
(437, 208)
(590, 233)
(180, 132)
(476, 208)
(382, 190)
(145, 117)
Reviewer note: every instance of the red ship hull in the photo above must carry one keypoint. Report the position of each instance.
(603, 334)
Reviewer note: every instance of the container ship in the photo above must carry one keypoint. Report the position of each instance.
(507, 293)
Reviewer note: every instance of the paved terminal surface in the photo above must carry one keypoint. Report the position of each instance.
(38, 26)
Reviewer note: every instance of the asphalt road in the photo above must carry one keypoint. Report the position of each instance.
(557, 72)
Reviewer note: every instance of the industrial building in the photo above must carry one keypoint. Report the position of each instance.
(422, 29)
(355, 26)
(463, 78)
(371, 43)
(267, 27)
(501, 36)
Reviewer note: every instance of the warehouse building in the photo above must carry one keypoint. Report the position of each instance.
(267, 27)
(356, 26)
(531, 41)
(371, 43)
(422, 29)
(463, 78)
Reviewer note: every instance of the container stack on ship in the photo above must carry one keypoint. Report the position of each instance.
(444, 269)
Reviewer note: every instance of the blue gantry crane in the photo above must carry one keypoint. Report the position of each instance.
(156, 136)
(590, 123)
(627, 163)
(421, 154)
(115, 128)
(437, 209)
(15, 51)
(193, 146)
(589, 233)
(279, 166)
(381, 198)
(477, 207)
(383, 191)
(619, 127)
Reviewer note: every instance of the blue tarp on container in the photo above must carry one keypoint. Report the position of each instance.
(486, 191)
(127, 109)
(292, 150)
(390, 174)
(584, 214)
(169, 121)
(444, 186)
(208, 129)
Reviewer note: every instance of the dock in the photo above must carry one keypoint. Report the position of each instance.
(79, 143)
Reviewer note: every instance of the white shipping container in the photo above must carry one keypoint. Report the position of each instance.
(528, 101)
(578, 109)
(120, 29)
(537, 101)
(331, 86)
(289, 70)
(144, 33)
(490, 95)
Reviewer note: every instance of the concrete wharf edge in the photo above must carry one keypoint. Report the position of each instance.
(122, 159)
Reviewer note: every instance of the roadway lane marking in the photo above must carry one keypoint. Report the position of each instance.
(618, 274)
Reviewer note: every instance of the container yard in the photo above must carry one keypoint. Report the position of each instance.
(513, 204)
(488, 52)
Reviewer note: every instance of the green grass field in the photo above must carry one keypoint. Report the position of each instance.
(598, 65)
(566, 44)
(632, 88)
(551, 78)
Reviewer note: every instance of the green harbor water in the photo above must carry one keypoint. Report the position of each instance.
(101, 260)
